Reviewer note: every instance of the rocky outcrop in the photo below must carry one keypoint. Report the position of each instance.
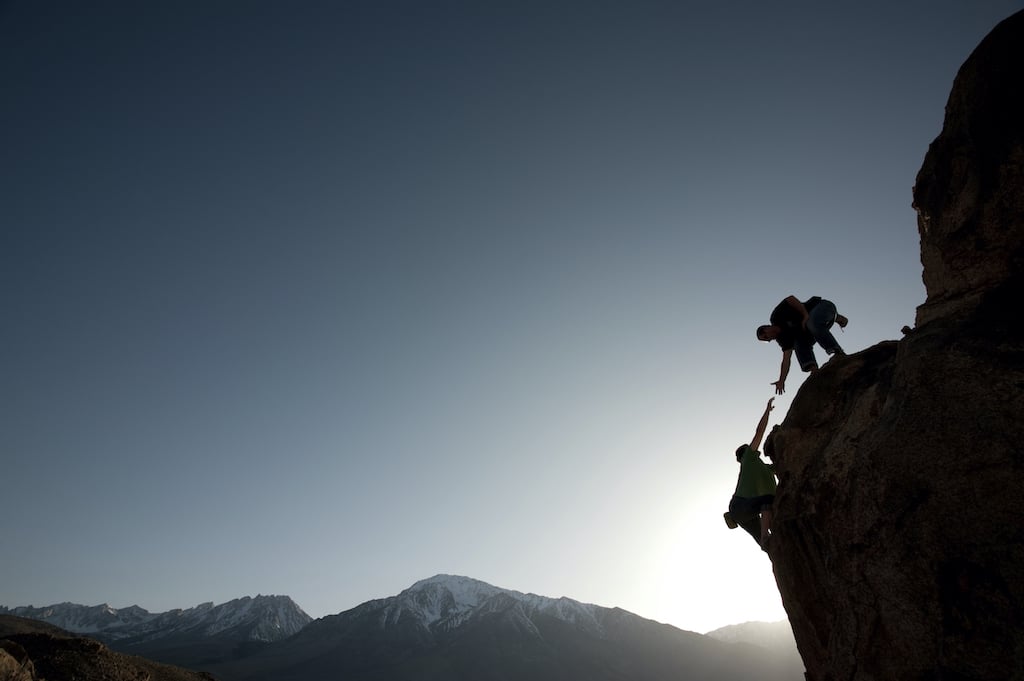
(968, 193)
(899, 520)
(35, 651)
(15, 664)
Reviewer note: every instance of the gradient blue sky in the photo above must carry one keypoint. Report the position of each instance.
(320, 299)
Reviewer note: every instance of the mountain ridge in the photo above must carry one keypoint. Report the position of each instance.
(451, 627)
(260, 618)
(442, 627)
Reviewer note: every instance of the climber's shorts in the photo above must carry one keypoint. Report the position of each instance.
(743, 508)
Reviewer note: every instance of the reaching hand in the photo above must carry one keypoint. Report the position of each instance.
(770, 406)
(780, 387)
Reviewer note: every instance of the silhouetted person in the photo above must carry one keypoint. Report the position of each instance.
(797, 326)
(751, 504)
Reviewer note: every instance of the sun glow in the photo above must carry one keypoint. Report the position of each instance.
(711, 576)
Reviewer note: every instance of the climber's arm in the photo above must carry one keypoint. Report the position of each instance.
(780, 385)
(755, 443)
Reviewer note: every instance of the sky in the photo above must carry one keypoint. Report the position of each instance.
(324, 298)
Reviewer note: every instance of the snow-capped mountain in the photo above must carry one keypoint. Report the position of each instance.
(445, 602)
(83, 619)
(450, 627)
(263, 618)
(445, 628)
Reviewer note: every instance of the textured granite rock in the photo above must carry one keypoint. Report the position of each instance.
(899, 521)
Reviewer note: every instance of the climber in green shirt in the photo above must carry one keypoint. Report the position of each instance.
(751, 504)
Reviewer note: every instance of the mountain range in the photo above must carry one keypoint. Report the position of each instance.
(263, 618)
(190, 638)
(446, 627)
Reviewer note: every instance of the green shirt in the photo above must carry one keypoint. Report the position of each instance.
(756, 478)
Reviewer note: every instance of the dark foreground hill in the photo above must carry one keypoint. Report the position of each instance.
(36, 651)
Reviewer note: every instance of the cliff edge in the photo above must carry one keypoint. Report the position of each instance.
(899, 519)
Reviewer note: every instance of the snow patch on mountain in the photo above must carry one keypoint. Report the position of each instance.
(445, 598)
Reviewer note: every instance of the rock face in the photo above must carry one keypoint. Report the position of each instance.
(15, 664)
(899, 520)
(968, 192)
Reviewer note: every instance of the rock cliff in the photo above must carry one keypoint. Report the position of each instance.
(899, 547)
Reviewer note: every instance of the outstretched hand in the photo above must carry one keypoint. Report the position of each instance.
(770, 405)
(780, 387)
(761, 425)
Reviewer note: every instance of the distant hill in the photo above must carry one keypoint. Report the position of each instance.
(773, 635)
(452, 628)
(776, 637)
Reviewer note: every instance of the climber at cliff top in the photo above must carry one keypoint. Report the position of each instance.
(751, 504)
(796, 325)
